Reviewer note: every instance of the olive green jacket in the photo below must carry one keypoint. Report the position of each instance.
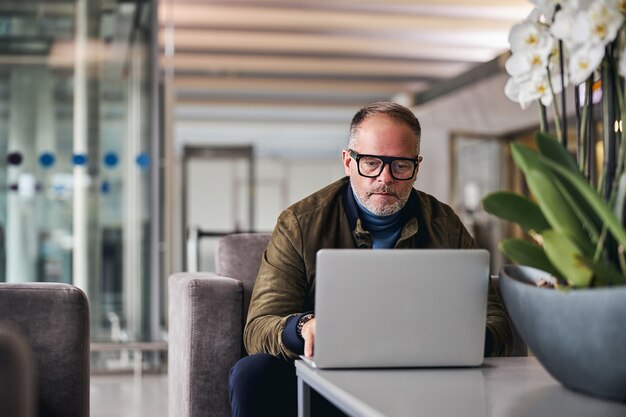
(285, 284)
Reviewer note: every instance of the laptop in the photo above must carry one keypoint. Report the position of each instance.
(400, 308)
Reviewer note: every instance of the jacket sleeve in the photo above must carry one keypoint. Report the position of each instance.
(500, 336)
(280, 290)
(499, 325)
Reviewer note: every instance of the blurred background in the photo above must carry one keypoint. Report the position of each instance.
(133, 134)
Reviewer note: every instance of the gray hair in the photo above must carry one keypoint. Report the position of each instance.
(389, 109)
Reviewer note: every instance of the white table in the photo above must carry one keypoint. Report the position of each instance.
(502, 387)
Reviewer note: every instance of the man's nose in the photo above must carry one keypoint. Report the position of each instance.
(385, 176)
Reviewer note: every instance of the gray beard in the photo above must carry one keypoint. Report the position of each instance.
(386, 210)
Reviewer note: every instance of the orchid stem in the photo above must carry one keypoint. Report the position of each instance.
(600, 245)
(584, 132)
(620, 153)
(555, 108)
(563, 96)
(542, 117)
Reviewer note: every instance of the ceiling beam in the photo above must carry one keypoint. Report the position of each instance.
(368, 3)
(231, 106)
(193, 40)
(237, 17)
(328, 67)
(234, 84)
(488, 9)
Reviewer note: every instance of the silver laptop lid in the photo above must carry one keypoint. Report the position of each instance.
(400, 308)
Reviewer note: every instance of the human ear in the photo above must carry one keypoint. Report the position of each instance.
(345, 155)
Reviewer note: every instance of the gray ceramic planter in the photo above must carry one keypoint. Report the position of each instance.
(579, 336)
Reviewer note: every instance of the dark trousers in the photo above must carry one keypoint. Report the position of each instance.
(264, 385)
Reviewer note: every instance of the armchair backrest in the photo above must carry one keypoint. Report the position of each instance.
(207, 312)
(239, 256)
(53, 319)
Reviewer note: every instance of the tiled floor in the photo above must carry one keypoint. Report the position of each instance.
(125, 396)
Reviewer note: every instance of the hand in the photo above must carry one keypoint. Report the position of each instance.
(308, 334)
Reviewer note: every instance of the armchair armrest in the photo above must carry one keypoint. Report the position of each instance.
(205, 341)
(53, 318)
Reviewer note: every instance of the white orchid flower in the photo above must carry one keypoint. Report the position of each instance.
(605, 21)
(580, 22)
(572, 27)
(512, 90)
(531, 46)
(584, 26)
(619, 5)
(582, 30)
(577, 4)
(523, 65)
(546, 7)
(537, 87)
(530, 36)
(518, 65)
(535, 15)
(584, 61)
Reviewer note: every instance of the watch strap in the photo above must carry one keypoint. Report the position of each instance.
(303, 320)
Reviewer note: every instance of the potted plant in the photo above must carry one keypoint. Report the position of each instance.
(574, 220)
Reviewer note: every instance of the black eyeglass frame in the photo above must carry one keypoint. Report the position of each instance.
(387, 160)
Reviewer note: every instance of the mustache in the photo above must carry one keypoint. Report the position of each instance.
(382, 189)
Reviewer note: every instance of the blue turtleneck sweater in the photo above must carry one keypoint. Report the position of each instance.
(385, 230)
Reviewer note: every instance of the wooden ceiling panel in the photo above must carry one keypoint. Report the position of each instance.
(314, 67)
(297, 19)
(232, 48)
(253, 42)
(225, 84)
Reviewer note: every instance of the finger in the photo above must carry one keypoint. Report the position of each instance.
(309, 343)
(308, 347)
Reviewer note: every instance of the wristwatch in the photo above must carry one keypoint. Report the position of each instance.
(302, 322)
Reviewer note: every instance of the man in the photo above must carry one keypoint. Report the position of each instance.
(375, 206)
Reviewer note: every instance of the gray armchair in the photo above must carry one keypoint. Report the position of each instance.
(207, 313)
(206, 316)
(44, 350)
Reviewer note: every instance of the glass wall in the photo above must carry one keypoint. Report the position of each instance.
(76, 145)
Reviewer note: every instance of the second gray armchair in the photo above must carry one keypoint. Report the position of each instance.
(207, 313)
(44, 350)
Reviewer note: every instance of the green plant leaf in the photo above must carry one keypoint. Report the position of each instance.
(517, 209)
(550, 148)
(604, 273)
(524, 157)
(527, 160)
(590, 221)
(556, 209)
(579, 205)
(620, 199)
(566, 257)
(600, 207)
(527, 253)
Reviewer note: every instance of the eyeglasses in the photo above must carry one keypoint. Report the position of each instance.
(371, 166)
